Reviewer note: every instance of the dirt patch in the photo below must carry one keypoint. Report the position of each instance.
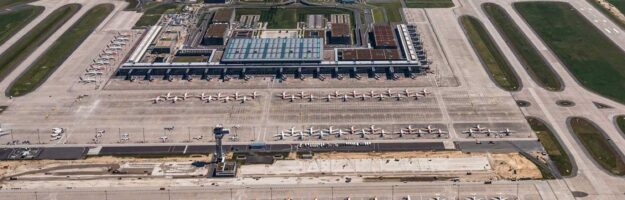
(514, 166)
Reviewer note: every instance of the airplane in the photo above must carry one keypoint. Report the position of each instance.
(420, 132)
(478, 127)
(219, 96)
(371, 93)
(473, 198)
(321, 134)
(55, 138)
(58, 130)
(93, 73)
(382, 133)
(254, 95)
(121, 38)
(388, 92)
(354, 93)
(97, 67)
(439, 132)
(407, 92)
(340, 133)
(329, 97)
(226, 99)
(167, 96)
(202, 96)
(351, 130)
(507, 132)
(469, 132)
(157, 99)
(101, 62)
(118, 43)
(488, 132)
(281, 136)
(311, 97)
(123, 34)
(175, 99)
(87, 80)
(429, 129)
(199, 137)
(372, 129)
(425, 92)
(398, 96)
(311, 131)
(185, 96)
(104, 52)
(401, 133)
(301, 135)
(163, 139)
(236, 96)
(499, 197)
(407, 198)
(345, 97)
(336, 94)
(331, 130)
(106, 57)
(410, 130)
(114, 47)
(363, 133)
(283, 95)
(301, 94)
(291, 98)
(292, 131)
(362, 97)
(380, 97)
(244, 99)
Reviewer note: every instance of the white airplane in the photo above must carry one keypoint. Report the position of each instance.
(110, 53)
(354, 93)
(120, 43)
(336, 94)
(55, 138)
(283, 95)
(106, 57)
(407, 198)
(163, 138)
(439, 132)
(292, 131)
(301, 94)
(469, 132)
(122, 38)
(429, 129)
(478, 127)
(372, 93)
(351, 130)
(58, 130)
(96, 67)
(373, 129)
(281, 135)
(114, 47)
(380, 97)
(157, 99)
(199, 137)
(398, 96)
(254, 95)
(311, 97)
(311, 131)
(93, 73)
(291, 98)
(328, 98)
(407, 92)
(363, 133)
(167, 96)
(401, 133)
(219, 96)
(185, 96)
(382, 133)
(488, 132)
(425, 92)
(236, 96)
(244, 99)
(331, 130)
(345, 97)
(362, 96)
(226, 99)
(499, 197)
(507, 132)
(101, 62)
(474, 197)
(301, 135)
(321, 134)
(388, 92)
(410, 129)
(175, 99)
(202, 96)
(339, 133)
(87, 80)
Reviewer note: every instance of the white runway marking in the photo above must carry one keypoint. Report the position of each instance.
(607, 30)
(616, 30)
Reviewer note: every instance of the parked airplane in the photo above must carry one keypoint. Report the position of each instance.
(244, 99)
(429, 129)
(362, 96)
(407, 92)
(488, 132)
(380, 97)
(163, 138)
(439, 132)
(340, 133)
(351, 130)
(410, 129)
(301, 135)
(226, 99)
(372, 93)
(469, 132)
(373, 129)
(283, 95)
(292, 131)
(311, 97)
(345, 97)
(58, 130)
(93, 73)
(167, 96)
(354, 93)
(398, 96)
(311, 131)
(478, 127)
(291, 98)
(175, 99)
(301, 94)
(254, 95)
(401, 133)
(336, 94)
(236, 96)
(328, 98)
(499, 197)
(157, 99)
(87, 80)
(507, 132)
(388, 92)
(321, 134)
(281, 135)
(363, 133)
(425, 92)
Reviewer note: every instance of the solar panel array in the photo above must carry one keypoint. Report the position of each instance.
(273, 49)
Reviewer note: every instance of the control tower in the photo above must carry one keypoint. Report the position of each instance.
(219, 133)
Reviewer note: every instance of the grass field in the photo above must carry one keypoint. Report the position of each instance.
(552, 145)
(60, 50)
(132, 5)
(527, 54)
(429, 3)
(153, 12)
(19, 51)
(10, 3)
(393, 11)
(595, 61)
(620, 122)
(12, 22)
(490, 55)
(597, 146)
(282, 18)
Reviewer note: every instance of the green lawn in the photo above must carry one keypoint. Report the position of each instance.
(153, 12)
(429, 3)
(132, 5)
(19, 51)
(597, 146)
(552, 145)
(620, 121)
(10, 3)
(527, 54)
(13, 21)
(393, 11)
(283, 18)
(490, 55)
(595, 61)
(60, 50)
